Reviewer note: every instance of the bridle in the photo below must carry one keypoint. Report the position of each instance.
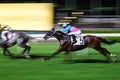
(51, 33)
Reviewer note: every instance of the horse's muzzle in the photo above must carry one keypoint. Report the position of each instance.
(45, 37)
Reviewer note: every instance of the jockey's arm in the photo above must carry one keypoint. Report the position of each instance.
(65, 30)
(2, 29)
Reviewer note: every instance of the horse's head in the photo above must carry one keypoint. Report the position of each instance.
(54, 32)
(49, 34)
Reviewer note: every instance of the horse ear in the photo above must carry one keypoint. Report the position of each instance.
(53, 28)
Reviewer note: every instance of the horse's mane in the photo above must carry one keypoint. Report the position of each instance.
(61, 32)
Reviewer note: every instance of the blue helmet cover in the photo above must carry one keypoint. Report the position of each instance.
(64, 25)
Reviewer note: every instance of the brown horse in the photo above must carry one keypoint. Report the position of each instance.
(89, 41)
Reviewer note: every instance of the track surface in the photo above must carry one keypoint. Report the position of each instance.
(92, 66)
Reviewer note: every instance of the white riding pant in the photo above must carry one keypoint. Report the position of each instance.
(77, 33)
(4, 33)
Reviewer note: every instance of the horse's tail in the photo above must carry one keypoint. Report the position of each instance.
(107, 42)
(30, 37)
(33, 39)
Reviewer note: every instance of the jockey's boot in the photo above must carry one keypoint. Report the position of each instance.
(6, 35)
(81, 40)
(7, 39)
(74, 39)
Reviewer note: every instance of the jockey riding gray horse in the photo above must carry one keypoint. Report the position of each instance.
(18, 38)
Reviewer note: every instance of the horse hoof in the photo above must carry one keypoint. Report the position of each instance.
(8, 54)
(112, 60)
(45, 59)
(113, 55)
(42, 60)
(12, 55)
(27, 56)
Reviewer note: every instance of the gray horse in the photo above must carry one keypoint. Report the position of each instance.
(18, 38)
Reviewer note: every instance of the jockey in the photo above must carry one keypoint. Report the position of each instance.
(6, 33)
(71, 30)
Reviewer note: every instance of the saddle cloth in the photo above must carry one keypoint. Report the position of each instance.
(80, 40)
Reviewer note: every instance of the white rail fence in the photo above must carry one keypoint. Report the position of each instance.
(40, 36)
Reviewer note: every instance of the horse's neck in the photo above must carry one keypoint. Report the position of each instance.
(59, 35)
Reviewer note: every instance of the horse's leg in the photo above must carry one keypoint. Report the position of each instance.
(54, 54)
(26, 48)
(112, 56)
(26, 51)
(27, 54)
(67, 55)
(106, 53)
(6, 52)
(9, 53)
(103, 51)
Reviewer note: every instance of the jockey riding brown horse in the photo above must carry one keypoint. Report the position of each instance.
(89, 41)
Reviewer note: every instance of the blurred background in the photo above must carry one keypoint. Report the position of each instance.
(85, 14)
